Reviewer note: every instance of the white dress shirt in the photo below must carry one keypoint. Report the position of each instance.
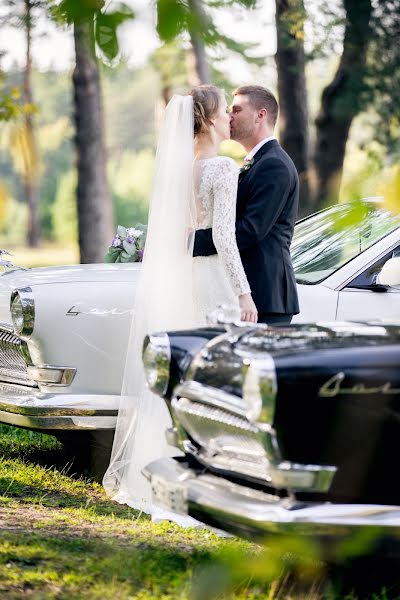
(258, 146)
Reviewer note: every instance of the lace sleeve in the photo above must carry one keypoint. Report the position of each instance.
(223, 228)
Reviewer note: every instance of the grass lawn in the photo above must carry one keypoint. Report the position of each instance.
(60, 537)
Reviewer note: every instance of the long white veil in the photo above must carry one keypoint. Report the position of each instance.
(163, 300)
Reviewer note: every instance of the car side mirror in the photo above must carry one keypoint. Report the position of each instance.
(390, 273)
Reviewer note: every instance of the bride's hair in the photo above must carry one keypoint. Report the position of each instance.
(206, 100)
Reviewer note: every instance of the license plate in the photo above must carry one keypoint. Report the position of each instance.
(169, 495)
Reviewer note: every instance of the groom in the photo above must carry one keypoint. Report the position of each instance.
(267, 202)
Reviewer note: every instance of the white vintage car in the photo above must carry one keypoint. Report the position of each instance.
(63, 331)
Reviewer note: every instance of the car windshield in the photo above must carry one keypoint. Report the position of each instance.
(326, 241)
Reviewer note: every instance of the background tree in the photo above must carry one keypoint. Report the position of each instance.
(93, 28)
(23, 14)
(341, 101)
(383, 74)
(321, 167)
(292, 90)
(194, 18)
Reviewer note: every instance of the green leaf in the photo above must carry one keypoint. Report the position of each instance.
(106, 37)
(112, 255)
(129, 248)
(71, 11)
(171, 18)
(125, 257)
(121, 13)
(106, 29)
(121, 231)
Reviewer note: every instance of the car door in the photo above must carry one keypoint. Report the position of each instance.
(362, 299)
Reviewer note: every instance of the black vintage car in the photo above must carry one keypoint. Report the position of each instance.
(282, 430)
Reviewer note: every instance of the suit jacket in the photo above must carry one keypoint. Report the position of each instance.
(267, 203)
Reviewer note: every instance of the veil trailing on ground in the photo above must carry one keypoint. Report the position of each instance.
(163, 300)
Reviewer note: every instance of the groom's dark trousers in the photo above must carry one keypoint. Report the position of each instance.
(267, 203)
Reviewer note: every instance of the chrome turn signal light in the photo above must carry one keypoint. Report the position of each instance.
(22, 309)
(259, 389)
(156, 362)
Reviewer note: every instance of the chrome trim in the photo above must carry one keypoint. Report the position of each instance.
(14, 358)
(23, 407)
(250, 512)
(285, 475)
(208, 395)
(171, 437)
(28, 309)
(6, 327)
(52, 423)
(259, 388)
(196, 400)
(51, 375)
(157, 353)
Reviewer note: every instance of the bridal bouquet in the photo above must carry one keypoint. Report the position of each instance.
(127, 245)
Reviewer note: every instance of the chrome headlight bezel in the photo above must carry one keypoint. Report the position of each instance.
(259, 388)
(157, 362)
(22, 310)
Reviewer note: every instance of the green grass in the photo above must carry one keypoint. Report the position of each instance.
(61, 537)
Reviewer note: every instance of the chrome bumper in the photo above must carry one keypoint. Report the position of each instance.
(253, 513)
(25, 407)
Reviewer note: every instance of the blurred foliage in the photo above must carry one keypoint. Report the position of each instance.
(4, 200)
(380, 88)
(365, 176)
(389, 188)
(130, 180)
(11, 106)
(383, 74)
(130, 128)
(64, 210)
(105, 22)
(177, 17)
(14, 221)
(170, 61)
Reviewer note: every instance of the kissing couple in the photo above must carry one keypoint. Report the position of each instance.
(242, 224)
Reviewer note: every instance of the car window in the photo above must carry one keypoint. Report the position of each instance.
(326, 241)
(368, 277)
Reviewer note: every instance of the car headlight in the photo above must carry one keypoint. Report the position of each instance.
(22, 309)
(157, 361)
(259, 389)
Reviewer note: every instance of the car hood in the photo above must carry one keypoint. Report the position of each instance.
(73, 274)
(66, 274)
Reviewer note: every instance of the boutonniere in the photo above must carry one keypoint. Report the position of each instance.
(247, 165)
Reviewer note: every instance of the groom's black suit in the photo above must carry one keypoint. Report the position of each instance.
(267, 202)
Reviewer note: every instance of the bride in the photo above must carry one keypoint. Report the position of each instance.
(193, 188)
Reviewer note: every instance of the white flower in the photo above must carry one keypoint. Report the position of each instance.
(136, 233)
(116, 242)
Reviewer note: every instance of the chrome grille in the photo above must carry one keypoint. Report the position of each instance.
(227, 441)
(218, 430)
(12, 362)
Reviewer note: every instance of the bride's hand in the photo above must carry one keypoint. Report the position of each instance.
(248, 310)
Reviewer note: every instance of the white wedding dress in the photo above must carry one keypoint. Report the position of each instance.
(220, 278)
(175, 291)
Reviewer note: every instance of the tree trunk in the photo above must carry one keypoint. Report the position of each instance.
(341, 103)
(31, 170)
(95, 221)
(200, 64)
(292, 90)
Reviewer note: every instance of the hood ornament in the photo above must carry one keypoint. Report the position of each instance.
(7, 264)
